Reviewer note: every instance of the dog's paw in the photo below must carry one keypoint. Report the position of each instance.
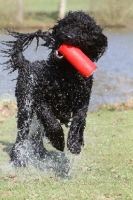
(75, 147)
(56, 137)
(58, 143)
(18, 155)
(18, 163)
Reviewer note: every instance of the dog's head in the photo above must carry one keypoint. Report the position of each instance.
(80, 30)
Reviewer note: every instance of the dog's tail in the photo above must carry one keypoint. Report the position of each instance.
(14, 49)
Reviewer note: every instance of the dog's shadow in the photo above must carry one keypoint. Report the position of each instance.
(55, 162)
(6, 146)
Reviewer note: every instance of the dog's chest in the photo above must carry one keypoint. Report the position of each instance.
(62, 91)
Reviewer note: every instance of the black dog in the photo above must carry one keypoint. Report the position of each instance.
(53, 90)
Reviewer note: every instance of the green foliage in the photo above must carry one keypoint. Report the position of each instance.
(102, 171)
(113, 13)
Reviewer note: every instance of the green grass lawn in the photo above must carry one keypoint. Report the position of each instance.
(103, 171)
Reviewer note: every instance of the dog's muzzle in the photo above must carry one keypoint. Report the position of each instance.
(58, 55)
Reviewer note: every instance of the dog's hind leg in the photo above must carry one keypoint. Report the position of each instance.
(29, 141)
(52, 127)
(19, 154)
(25, 103)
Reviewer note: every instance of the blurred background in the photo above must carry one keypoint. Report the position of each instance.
(113, 81)
(42, 13)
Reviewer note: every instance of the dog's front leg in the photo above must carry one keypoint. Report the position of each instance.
(52, 127)
(75, 135)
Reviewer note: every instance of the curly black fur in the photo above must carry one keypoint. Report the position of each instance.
(53, 90)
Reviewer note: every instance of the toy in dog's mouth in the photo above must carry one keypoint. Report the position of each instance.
(77, 58)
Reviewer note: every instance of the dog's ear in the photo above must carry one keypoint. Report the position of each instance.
(14, 49)
(48, 38)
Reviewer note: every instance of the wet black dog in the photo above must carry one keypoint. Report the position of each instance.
(52, 90)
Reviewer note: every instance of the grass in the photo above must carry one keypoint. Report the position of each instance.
(43, 13)
(103, 171)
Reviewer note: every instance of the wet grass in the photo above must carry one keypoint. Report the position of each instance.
(102, 171)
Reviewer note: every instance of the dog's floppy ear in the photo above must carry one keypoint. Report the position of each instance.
(23, 40)
(27, 38)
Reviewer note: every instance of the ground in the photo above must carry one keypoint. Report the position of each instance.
(103, 171)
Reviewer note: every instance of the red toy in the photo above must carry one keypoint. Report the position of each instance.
(78, 59)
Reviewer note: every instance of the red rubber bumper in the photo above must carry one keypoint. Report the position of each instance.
(78, 59)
